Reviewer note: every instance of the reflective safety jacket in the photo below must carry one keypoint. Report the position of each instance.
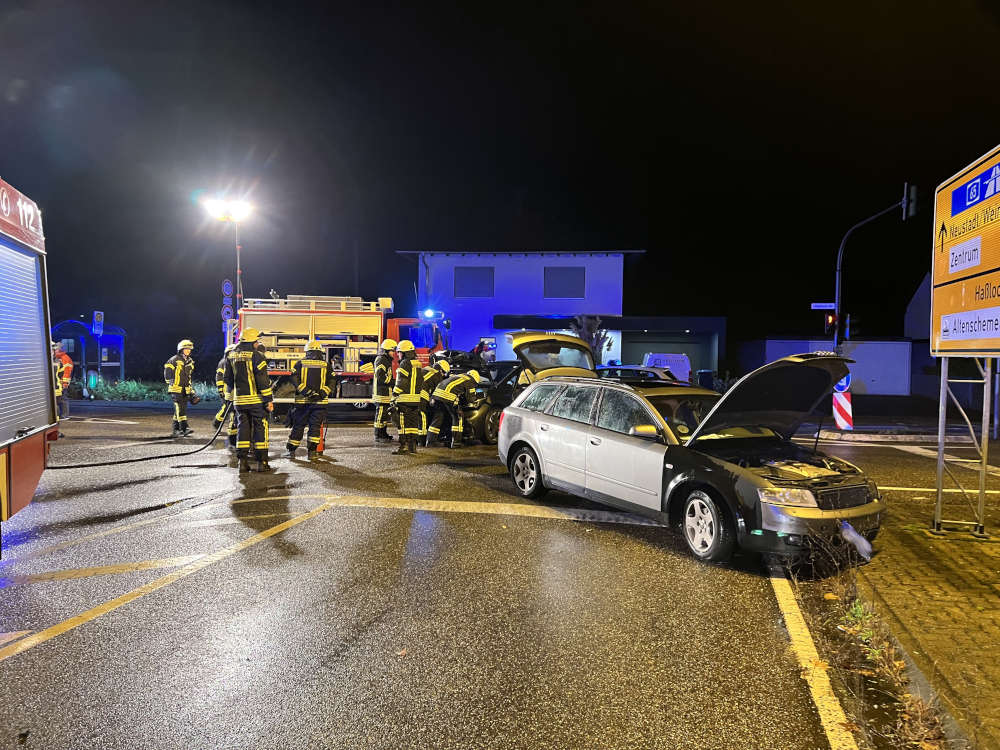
(56, 369)
(313, 378)
(454, 388)
(177, 373)
(220, 379)
(382, 391)
(64, 369)
(246, 376)
(432, 376)
(409, 382)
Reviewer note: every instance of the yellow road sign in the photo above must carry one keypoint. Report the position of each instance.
(965, 267)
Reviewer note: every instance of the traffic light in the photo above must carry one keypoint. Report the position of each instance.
(829, 323)
(909, 202)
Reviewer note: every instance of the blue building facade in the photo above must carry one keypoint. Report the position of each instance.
(473, 289)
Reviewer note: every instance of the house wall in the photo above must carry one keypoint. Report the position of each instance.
(518, 289)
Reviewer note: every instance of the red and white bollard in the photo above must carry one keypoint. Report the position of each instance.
(843, 415)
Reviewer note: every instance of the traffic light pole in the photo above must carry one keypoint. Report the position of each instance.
(840, 261)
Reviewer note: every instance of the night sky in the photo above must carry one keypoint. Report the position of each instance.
(735, 142)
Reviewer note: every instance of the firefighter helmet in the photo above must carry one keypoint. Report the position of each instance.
(185, 344)
(249, 334)
(443, 365)
(388, 345)
(313, 346)
(474, 374)
(405, 346)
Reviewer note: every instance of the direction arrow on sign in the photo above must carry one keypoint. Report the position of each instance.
(823, 306)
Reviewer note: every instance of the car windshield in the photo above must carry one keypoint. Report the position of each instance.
(683, 413)
(543, 355)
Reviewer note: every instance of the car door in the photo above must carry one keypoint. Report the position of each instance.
(562, 434)
(620, 466)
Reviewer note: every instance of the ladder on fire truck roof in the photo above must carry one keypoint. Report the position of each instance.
(977, 526)
(314, 303)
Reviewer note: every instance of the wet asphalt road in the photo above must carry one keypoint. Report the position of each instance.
(409, 602)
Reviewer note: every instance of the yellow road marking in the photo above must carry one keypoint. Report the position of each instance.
(951, 490)
(100, 570)
(831, 714)
(99, 611)
(8, 637)
(139, 524)
(503, 509)
(229, 520)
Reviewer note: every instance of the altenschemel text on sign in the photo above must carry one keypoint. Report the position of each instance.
(965, 271)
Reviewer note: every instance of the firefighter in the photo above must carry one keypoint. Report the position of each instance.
(250, 387)
(432, 376)
(382, 390)
(406, 396)
(448, 398)
(313, 378)
(64, 373)
(227, 401)
(178, 373)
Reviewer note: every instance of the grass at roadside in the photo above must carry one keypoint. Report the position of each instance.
(884, 709)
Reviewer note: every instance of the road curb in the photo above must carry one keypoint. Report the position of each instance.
(889, 437)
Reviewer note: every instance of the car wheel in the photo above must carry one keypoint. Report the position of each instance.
(491, 427)
(526, 472)
(706, 527)
(361, 404)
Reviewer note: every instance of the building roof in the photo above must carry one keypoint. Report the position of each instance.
(521, 252)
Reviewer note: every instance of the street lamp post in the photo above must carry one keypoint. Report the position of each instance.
(234, 211)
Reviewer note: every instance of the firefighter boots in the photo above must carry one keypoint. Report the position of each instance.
(264, 467)
(244, 465)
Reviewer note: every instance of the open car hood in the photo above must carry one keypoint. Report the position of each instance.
(780, 395)
(539, 352)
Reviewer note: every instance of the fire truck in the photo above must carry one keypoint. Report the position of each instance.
(349, 330)
(28, 421)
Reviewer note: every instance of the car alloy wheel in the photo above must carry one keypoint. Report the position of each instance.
(707, 528)
(700, 524)
(526, 473)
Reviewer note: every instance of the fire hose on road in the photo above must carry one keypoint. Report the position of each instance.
(222, 421)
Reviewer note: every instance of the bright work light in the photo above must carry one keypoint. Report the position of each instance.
(428, 313)
(227, 210)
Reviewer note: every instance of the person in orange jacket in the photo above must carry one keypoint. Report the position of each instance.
(64, 373)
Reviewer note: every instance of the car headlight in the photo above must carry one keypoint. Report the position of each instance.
(787, 496)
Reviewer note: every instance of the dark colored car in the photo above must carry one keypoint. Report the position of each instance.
(722, 468)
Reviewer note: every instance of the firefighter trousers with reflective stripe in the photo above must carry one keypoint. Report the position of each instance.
(313, 415)
(181, 409)
(381, 416)
(253, 431)
(424, 407)
(233, 421)
(445, 411)
(409, 419)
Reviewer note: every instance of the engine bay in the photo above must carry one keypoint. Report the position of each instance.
(779, 460)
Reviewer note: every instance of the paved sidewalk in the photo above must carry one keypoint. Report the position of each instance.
(941, 597)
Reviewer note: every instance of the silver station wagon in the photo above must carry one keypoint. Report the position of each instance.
(723, 469)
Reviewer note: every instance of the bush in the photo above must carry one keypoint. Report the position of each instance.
(143, 390)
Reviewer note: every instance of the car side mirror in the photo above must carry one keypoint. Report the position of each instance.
(645, 431)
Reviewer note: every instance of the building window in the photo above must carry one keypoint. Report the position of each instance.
(473, 281)
(565, 282)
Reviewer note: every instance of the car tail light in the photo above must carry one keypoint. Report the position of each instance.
(500, 423)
